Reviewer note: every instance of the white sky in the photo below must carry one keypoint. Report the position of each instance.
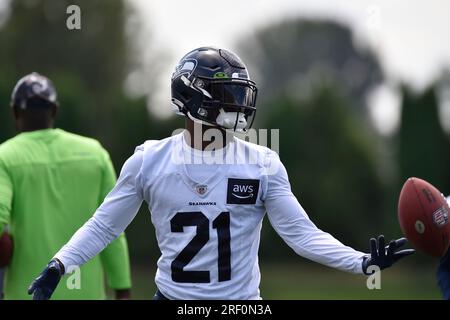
(411, 38)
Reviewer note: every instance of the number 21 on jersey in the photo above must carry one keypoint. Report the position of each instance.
(196, 218)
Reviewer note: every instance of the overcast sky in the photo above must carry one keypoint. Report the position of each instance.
(411, 38)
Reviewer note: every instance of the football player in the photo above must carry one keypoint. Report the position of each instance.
(207, 203)
(443, 275)
(443, 271)
(50, 183)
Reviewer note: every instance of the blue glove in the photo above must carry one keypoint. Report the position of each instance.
(443, 275)
(382, 256)
(43, 286)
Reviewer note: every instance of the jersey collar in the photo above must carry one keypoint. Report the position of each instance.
(196, 156)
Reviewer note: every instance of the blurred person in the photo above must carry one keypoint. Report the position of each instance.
(51, 182)
(443, 275)
(443, 271)
(207, 199)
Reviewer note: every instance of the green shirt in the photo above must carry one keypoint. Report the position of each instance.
(51, 182)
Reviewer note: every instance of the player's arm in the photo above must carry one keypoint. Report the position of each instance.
(114, 257)
(6, 196)
(292, 223)
(108, 222)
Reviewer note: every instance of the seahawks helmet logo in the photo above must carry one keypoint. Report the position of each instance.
(185, 67)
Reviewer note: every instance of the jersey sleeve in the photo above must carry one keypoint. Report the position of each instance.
(6, 196)
(112, 217)
(114, 257)
(292, 223)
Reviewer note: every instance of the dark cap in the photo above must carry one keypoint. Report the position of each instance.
(34, 90)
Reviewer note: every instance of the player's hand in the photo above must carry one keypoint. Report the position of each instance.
(443, 275)
(384, 257)
(43, 286)
(122, 294)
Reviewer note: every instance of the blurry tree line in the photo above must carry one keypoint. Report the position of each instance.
(88, 68)
(313, 82)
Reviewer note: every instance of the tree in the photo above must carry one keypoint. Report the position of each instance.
(294, 56)
(88, 68)
(331, 163)
(423, 147)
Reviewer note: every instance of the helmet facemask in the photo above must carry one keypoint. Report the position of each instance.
(228, 103)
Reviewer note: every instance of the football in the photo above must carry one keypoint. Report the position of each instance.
(6, 249)
(423, 215)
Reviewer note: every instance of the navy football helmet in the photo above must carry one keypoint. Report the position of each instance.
(212, 86)
(34, 90)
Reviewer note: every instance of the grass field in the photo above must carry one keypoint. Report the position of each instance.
(312, 281)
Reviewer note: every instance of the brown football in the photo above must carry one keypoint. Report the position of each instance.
(423, 215)
(6, 249)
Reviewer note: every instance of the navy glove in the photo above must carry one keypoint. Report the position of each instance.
(43, 286)
(382, 256)
(443, 275)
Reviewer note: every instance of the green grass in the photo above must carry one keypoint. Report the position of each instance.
(312, 281)
(308, 282)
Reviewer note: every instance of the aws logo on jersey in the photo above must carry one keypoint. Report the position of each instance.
(242, 191)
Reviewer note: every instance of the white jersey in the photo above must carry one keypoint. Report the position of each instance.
(207, 216)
